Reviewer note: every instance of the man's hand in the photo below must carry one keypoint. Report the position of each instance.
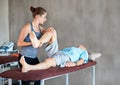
(70, 64)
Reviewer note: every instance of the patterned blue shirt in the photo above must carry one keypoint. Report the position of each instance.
(76, 54)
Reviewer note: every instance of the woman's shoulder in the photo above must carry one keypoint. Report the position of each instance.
(26, 27)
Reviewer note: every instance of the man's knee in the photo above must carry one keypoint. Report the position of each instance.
(52, 30)
(53, 34)
(49, 60)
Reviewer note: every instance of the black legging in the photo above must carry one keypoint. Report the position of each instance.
(31, 61)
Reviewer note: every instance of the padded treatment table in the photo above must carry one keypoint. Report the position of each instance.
(7, 59)
(47, 73)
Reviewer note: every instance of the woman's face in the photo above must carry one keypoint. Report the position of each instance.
(42, 18)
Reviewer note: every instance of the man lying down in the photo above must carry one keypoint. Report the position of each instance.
(67, 57)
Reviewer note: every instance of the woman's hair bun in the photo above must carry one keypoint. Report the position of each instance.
(32, 9)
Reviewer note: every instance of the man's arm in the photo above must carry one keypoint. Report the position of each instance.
(80, 62)
(71, 64)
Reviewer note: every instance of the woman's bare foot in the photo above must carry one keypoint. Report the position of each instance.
(25, 66)
(34, 40)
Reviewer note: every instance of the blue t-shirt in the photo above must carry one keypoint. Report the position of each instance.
(76, 54)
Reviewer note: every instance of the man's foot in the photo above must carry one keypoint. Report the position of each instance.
(25, 66)
(34, 40)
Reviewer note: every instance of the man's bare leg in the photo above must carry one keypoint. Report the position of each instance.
(49, 36)
(49, 62)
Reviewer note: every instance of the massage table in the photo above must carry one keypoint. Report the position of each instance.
(42, 75)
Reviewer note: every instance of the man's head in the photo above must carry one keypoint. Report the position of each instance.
(82, 47)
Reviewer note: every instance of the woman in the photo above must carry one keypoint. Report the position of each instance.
(27, 50)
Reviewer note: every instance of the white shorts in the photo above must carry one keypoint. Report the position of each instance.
(60, 57)
(51, 49)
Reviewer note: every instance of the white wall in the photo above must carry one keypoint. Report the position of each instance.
(4, 21)
(94, 23)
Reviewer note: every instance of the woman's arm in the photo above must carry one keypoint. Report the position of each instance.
(24, 32)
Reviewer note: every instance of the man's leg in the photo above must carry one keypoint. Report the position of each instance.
(49, 62)
(49, 36)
